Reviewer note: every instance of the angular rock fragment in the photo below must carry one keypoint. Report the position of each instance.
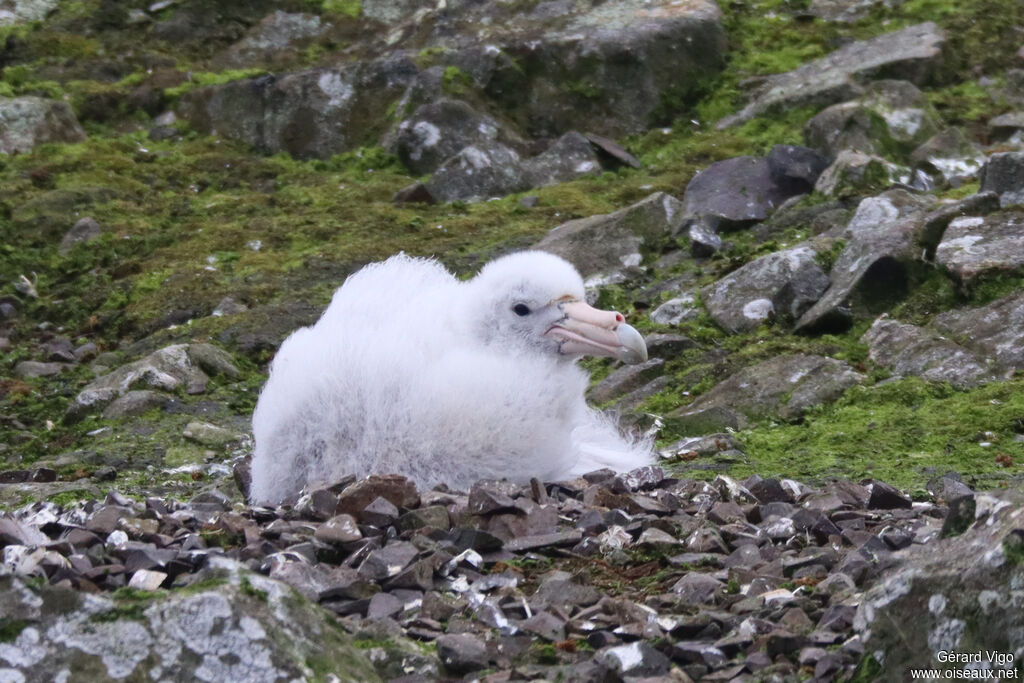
(1004, 174)
(995, 331)
(974, 247)
(880, 238)
(785, 283)
(913, 54)
(908, 350)
(786, 387)
(605, 243)
(29, 121)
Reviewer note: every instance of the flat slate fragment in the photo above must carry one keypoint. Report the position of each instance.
(974, 246)
(913, 54)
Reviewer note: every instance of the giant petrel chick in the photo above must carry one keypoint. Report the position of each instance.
(414, 372)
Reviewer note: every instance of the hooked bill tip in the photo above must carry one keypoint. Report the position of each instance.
(633, 349)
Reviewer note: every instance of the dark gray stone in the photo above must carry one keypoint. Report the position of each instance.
(625, 379)
(973, 247)
(995, 331)
(795, 169)
(880, 238)
(639, 659)
(785, 386)
(30, 121)
(1003, 174)
(785, 284)
(438, 131)
(84, 230)
(462, 653)
(734, 193)
(605, 243)
(908, 350)
(388, 561)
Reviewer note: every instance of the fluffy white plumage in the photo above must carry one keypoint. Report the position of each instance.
(414, 372)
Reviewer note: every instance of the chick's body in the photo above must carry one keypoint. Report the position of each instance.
(406, 372)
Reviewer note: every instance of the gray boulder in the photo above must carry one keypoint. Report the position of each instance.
(478, 172)
(891, 116)
(949, 157)
(783, 387)
(1007, 127)
(995, 330)
(607, 68)
(913, 54)
(84, 230)
(608, 242)
(957, 595)
(676, 310)
(27, 369)
(309, 114)
(244, 627)
(855, 174)
(23, 11)
(623, 380)
(29, 121)
(438, 131)
(975, 246)
(1004, 174)
(570, 156)
(181, 365)
(491, 169)
(785, 283)
(736, 192)
(881, 238)
(909, 350)
(273, 41)
(135, 402)
(392, 11)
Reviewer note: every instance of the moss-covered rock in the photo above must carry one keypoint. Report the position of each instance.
(233, 625)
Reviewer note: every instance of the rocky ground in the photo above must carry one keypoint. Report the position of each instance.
(812, 210)
(637, 576)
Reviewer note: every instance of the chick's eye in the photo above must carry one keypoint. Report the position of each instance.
(521, 309)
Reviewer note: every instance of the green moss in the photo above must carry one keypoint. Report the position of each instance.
(867, 671)
(348, 8)
(208, 583)
(65, 498)
(429, 56)
(1013, 548)
(10, 629)
(899, 432)
(827, 258)
(456, 82)
(132, 611)
(132, 594)
(250, 590)
(203, 79)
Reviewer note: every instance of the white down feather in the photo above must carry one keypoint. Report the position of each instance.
(411, 371)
